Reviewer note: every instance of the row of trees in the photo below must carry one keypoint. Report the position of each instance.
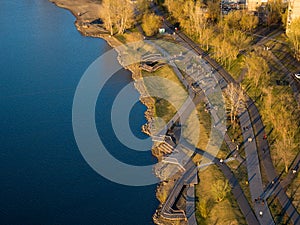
(227, 37)
(227, 44)
(281, 114)
(240, 20)
(117, 15)
(201, 21)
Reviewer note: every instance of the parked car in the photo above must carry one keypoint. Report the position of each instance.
(297, 75)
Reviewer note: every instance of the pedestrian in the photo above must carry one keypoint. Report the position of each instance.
(265, 137)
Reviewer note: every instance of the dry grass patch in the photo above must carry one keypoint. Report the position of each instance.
(208, 209)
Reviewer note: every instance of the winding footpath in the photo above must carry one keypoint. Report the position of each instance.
(252, 150)
(254, 118)
(252, 160)
(236, 189)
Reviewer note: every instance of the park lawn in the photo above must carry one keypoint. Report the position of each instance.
(241, 175)
(197, 128)
(224, 151)
(131, 35)
(164, 110)
(237, 67)
(167, 90)
(218, 213)
(172, 47)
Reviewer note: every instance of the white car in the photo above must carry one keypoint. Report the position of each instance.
(297, 75)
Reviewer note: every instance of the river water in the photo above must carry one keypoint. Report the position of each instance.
(44, 178)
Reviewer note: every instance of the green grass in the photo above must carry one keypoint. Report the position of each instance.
(224, 212)
(168, 92)
(276, 211)
(237, 66)
(197, 127)
(164, 109)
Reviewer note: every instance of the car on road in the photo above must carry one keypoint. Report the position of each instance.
(297, 75)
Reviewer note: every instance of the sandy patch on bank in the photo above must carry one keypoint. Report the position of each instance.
(87, 9)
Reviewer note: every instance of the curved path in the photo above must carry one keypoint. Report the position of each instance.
(252, 161)
(255, 120)
(190, 168)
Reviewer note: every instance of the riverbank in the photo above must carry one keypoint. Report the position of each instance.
(87, 23)
(86, 13)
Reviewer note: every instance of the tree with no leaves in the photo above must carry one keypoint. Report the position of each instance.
(235, 101)
(117, 15)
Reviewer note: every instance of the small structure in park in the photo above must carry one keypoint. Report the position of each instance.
(161, 30)
(151, 62)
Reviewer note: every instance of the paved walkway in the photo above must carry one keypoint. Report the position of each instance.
(259, 130)
(266, 161)
(190, 205)
(236, 189)
(264, 153)
(252, 161)
(184, 112)
(255, 182)
(253, 169)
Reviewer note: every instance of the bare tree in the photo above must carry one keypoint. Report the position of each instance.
(235, 101)
(107, 10)
(117, 15)
(124, 15)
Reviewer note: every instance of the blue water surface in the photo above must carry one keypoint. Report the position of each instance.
(44, 179)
